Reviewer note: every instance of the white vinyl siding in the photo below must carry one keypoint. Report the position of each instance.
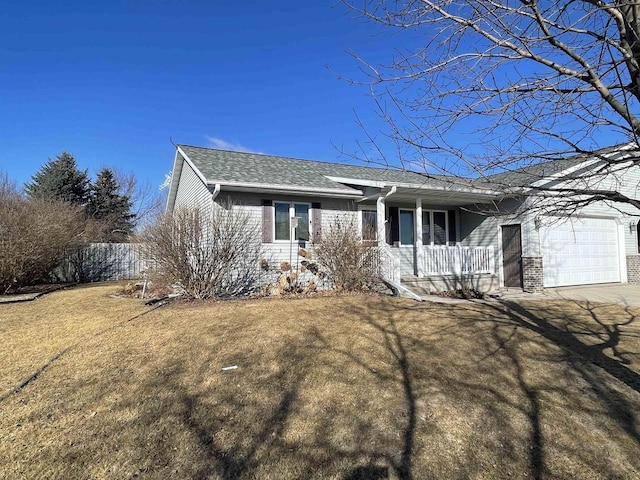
(192, 192)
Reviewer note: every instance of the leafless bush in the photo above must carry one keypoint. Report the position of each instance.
(351, 262)
(209, 254)
(34, 236)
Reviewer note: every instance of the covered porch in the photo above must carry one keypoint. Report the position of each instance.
(421, 230)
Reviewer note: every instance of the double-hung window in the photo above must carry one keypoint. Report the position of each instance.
(284, 212)
(438, 227)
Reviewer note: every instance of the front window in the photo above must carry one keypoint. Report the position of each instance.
(282, 221)
(284, 211)
(301, 210)
(369, 225)
(438, 227)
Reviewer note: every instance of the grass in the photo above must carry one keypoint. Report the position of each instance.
(334, 387)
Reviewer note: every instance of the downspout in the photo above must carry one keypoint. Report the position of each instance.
(380, 204)
(216, 192)
(214, 195)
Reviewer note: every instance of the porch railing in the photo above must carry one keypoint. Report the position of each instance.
(388, 264)
(443, 260)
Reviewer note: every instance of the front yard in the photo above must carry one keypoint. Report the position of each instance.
(355, 387)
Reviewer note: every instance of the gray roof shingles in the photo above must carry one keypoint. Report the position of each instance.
(228, 166)
(530, 174)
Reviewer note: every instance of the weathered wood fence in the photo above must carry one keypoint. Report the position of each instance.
(100, 262)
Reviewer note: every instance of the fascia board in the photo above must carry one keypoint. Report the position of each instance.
(285, 189)
(175, 179)
(581, 165)
(195, 169)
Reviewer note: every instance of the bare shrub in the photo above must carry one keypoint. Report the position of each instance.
(351, 262)
(208, 254)
(34, 236)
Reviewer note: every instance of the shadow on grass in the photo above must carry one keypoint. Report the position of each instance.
(391, 390)
(582, 356)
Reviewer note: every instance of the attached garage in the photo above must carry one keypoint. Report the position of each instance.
(580, 251)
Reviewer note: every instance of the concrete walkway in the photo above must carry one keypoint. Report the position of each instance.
(621, 294)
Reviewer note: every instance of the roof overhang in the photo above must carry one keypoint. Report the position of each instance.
(287, 189)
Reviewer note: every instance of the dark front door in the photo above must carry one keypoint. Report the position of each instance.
(512, 256)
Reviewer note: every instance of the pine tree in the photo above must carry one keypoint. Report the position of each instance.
(108, 206)
(60, 179)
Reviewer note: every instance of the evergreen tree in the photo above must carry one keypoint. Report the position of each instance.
(111, 208)
(60, 179)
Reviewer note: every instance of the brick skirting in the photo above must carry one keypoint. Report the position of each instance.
(633, 268)
(532, 274)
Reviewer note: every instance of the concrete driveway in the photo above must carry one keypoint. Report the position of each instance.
(622, 294)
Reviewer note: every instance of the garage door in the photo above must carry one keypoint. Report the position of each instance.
(580, 251)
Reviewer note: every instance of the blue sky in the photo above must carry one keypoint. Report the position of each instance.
(113, 82)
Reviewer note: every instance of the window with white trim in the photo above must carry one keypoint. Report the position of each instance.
(436, 227)
(284, 212)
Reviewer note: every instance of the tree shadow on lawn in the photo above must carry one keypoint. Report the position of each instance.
(391, 390)
(583, 340)
(514, 368)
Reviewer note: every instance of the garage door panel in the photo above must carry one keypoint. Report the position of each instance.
(580, 251)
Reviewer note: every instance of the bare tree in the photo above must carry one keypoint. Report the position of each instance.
(147, 200)
(35, 235)
(528, 81)
(209, 254)
(352, 263)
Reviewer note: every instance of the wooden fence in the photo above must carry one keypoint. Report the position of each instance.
(99, 262)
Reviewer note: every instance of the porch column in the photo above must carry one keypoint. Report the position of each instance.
(418, 237)
(381, 235)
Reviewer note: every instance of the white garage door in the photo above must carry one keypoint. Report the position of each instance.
(580, 251)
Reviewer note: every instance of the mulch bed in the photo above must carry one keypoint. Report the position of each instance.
(464, 294)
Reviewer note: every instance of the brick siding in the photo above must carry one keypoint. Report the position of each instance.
(532, 274)
(633, 268)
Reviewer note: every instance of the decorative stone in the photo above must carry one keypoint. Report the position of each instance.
(283, 283)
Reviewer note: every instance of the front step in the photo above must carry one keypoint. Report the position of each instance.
(417, 285)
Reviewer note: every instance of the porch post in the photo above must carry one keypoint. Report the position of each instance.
(381, 235)
(418, 237)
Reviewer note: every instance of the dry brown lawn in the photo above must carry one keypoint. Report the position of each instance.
(337, 387)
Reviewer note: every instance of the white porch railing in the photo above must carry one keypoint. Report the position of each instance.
(443, 260)
(389, 264)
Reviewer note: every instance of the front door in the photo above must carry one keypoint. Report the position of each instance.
(512, 256)
(407, 243)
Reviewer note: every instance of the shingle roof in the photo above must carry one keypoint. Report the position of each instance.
(220, 166)
(527, 176)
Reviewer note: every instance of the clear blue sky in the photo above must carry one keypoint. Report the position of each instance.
(112, 81)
